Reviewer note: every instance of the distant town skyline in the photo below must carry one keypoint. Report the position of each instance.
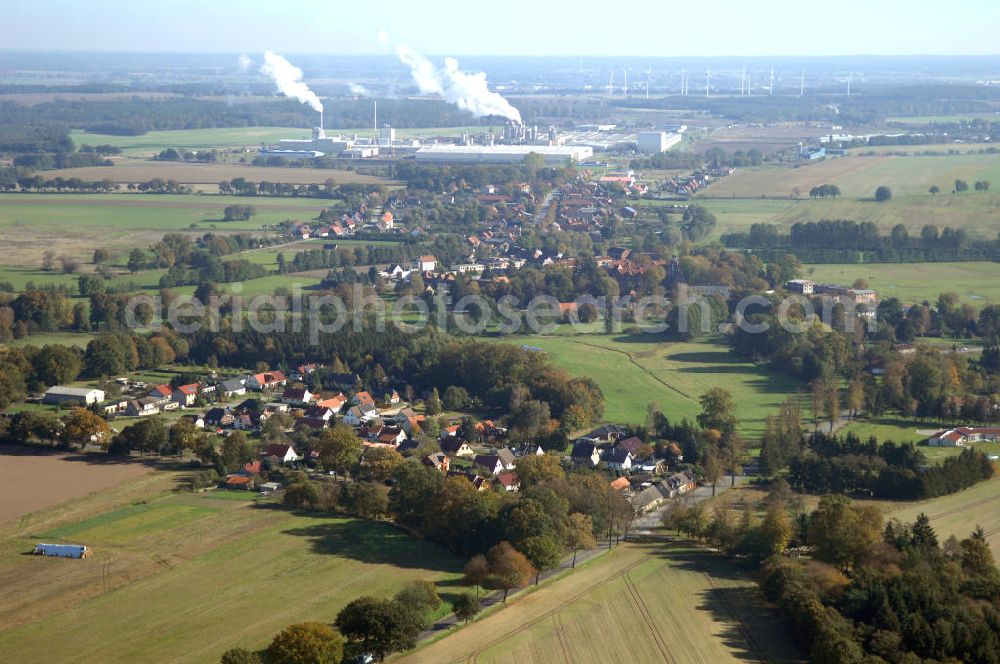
(514, 27)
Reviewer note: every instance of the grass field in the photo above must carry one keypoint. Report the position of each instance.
(633, 371)
(959, 513)
(651, 602)
(975, 283)
(195, 574)
(132, 169)
(77, 224)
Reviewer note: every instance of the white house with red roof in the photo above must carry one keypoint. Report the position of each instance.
(186, 395)
(963, 437)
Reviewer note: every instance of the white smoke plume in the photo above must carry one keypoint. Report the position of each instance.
(244, 62)
(359, 90)
(383, 38)
(467, 91)
(288, 79)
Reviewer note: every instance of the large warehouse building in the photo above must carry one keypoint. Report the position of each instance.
(654, 142)
(502, 154)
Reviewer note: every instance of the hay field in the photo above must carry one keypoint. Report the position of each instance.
(976, 283)
(959, 513)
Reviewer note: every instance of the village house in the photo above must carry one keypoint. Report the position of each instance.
(479, 482)
(618, 458)
(356, 416)
(509, 482)
(161, 392)
(142, 407)
(219, 417)
(427, 263)
(239, 482)
(438, 461)
(585, 452)
(297, 396)
(497, 461)
(233, 387)
(284, 454)
(185, 395)
(319, 412)
(334, 403)
(457, 447)
(267, 380)
(195, 419)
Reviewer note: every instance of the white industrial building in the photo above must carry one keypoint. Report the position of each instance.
(654, 142)
(83, 396)
(502, 154)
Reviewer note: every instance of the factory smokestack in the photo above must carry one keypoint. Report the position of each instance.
(469, 92)
(288, 79)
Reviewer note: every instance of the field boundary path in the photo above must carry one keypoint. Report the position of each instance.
(638, 365)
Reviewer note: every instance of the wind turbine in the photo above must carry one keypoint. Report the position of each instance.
(649, 73)
(850, 75)
(770, 88)
(611, 84)
(708, 80)
(743, 80)
(625, 84)
(802, 83)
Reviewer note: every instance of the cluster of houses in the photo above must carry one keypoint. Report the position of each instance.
(687, 185)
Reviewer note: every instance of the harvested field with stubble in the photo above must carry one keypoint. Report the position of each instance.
(958, 514)
(655, 601)
(35, 481)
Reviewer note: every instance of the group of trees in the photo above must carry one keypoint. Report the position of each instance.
(887, 595)
(887, 470)
(825, 191)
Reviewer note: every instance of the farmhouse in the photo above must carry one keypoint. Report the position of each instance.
(962, 437)
(83, 396)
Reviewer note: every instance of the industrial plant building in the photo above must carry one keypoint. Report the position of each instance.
(502, 154)
(654, 142)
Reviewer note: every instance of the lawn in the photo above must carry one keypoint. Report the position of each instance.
(885, 428)
(633, 371)
(197, 574)
(976, 283)
(640, 603)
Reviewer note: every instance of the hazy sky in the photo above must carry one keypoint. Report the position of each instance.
(511, 27)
